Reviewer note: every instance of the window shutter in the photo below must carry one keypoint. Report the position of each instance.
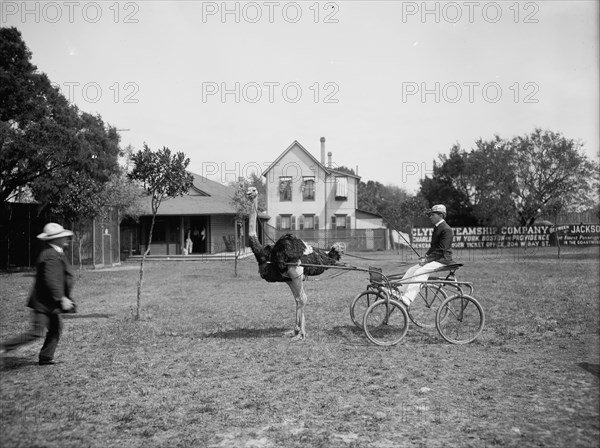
(278, 222)
(293, 223)
(316, 222)
(341, 187)
(301, 222)
(333, 222)
(348, 221)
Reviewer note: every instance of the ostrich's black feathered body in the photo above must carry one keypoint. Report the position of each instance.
(273, 260)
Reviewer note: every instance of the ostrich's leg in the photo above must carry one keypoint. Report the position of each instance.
(297, 286)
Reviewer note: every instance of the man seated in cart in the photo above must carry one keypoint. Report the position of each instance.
(438, 255)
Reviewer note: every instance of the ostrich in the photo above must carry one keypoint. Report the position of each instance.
(283, 261)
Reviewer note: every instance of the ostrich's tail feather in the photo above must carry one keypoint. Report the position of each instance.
(321, 258)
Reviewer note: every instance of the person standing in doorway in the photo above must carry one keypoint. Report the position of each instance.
(50, 296)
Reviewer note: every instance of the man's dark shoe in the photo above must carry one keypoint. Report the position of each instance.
(49, 362)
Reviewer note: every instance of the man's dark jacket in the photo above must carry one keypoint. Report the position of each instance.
(441, 242)
(53, 281)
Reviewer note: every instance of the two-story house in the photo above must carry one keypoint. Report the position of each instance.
(309, 197)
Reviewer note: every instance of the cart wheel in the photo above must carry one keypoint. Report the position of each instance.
(361, 303)
(385, 322)
(423, 309)
(460, 319)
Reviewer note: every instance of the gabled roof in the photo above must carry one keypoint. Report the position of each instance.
(206, 197)
(289, 148)
(328, 171)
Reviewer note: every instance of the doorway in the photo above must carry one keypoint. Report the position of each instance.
(197, 230)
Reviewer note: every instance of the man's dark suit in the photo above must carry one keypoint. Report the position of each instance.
(53, 281)
(441, 242)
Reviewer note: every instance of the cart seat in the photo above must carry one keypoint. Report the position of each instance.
(452, 268)
(375, 274)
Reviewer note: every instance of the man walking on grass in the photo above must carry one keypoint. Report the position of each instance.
(50, 295)
(438, 255)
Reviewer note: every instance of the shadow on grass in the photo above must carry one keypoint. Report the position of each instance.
(84, 316)
(352, 335)
(9, 363)
(248, 333)
(592, 368)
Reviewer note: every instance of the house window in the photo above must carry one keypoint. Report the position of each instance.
(308, 188)
(308, 222)
(341, 188)
(340, 221)
(285, 188)
(286, 222)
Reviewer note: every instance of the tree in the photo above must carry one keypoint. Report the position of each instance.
(370, 196)
(411, 210)
(79, 203)
(162, 175)
(42, 137)
(449, 185)
(389, 207)
(242, 208)
(504, 181)
(85, 199)
(489, 182)
(345, 169)
(96, 161)
(549, 166)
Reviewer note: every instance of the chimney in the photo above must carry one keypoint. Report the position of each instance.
(323, 150)
(329, 163)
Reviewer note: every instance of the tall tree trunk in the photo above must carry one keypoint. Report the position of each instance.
(80, 251)
(556, 235)
(236, 250)
(141, 281)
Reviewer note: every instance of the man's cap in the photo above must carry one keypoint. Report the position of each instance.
(53, 231)
(438, 208)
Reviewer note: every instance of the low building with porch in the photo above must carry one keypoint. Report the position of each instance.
(202, 222)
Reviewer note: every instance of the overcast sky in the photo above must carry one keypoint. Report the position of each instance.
(389, 84)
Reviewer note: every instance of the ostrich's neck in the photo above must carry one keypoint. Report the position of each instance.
(255, 245)
(252, 218)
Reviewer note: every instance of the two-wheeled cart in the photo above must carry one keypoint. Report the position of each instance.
(443, 302)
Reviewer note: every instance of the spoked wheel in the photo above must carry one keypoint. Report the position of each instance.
(423, 309)
(361, 303)
(460, 319)
(385, 322)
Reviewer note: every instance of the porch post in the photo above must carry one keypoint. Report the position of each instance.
(181, 234)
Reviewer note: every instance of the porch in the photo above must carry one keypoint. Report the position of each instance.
(221, 256)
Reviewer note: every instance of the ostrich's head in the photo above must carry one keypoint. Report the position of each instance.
(251, 193)
(336, 252)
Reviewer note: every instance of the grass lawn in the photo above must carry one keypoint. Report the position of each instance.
(208, 364)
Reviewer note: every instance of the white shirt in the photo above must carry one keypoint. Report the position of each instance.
(57, 248)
